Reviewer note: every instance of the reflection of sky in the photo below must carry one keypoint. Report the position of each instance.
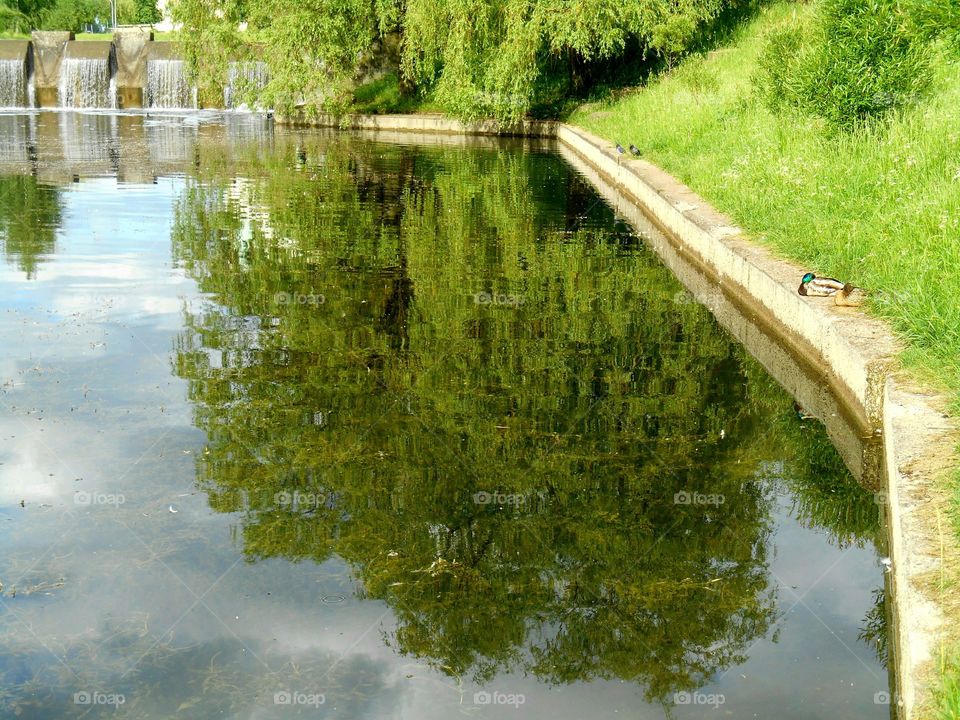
(90, 409)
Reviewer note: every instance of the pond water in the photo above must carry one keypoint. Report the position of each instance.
(305, 424)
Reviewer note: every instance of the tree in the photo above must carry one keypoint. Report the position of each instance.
(479, 57)
(146, 12)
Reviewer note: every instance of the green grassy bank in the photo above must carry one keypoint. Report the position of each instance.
(878, 207)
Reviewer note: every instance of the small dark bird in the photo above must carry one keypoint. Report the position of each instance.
(634, 150)
(620, 150)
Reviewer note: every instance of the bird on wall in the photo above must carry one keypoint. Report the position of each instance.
(634, 150)
(843, 294)
(813, 286)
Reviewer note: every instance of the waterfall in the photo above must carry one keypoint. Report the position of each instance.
(244, 79)
(167, 85)
(86, 83)
(14, 90)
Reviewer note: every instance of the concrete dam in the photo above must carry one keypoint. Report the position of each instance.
(54, 70)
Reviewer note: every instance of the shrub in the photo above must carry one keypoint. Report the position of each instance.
(74, 14)
(779, 73)
(863, 60)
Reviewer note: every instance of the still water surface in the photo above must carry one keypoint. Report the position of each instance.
(301, 424)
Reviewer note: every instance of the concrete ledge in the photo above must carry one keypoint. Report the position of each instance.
(422, 124)
(89, 49)
(14, 50)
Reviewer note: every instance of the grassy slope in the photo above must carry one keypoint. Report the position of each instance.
(879, 208)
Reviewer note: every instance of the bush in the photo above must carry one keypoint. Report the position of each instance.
(146, 12)
(778, 76)
(74, 14)
(863, 60)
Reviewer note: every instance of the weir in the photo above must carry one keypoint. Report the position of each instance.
(86, 76)
(53, 70)
(15, 62)
(167, 85)
(245, 80)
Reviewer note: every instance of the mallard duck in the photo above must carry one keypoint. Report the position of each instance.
(849, 296)
(634, 150)
(814, 286)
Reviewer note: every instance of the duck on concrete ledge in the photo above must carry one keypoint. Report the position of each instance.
(814, 286)
(844, 294)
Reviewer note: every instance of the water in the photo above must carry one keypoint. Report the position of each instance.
(86, 83)
(413, 431)
(13, 84)
(167, 85)
(245, 80)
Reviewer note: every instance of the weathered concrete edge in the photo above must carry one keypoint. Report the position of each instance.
(919, 439)
(423, 124)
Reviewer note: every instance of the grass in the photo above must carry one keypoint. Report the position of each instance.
(383, 96)
(879, 207)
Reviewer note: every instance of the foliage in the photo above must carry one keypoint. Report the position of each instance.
(858, 62)
(13, 20)
(73, 15)
(476, 58)
(146, 12)
(22, 16)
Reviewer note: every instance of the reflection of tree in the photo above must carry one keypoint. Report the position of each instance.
(29, 217)
(383, 410)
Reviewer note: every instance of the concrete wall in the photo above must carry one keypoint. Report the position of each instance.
(130, 44)
(14, 50)
(48, 52)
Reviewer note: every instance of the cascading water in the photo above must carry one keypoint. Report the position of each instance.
(244, 79)
(86, 83)
(167, 85)
(14, 86)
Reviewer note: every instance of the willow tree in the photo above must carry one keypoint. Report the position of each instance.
(479, 57)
